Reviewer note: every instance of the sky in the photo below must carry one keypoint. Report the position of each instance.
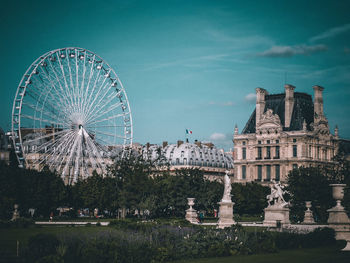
(189, 64)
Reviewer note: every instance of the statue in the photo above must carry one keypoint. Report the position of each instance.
(276, 196)
(227, 190)
(226, 205)
(15, 215)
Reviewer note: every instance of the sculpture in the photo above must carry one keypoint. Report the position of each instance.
(276, 195)
(227, 190)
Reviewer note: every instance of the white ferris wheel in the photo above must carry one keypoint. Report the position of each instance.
(70, 114)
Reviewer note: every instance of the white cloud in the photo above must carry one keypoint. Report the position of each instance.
(224, 104)
(289, 51)
(216, 136)
(250, 98)
(331, 32)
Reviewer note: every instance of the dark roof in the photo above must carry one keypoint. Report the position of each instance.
(303, 110)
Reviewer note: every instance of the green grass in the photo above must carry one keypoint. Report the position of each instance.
(317, 255)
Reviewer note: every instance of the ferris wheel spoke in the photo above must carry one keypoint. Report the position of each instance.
(47, 81)
(92, 92)
(106, 126)
(109, 118)
(110, 135)
(82, 84)
(36, 97)
(89, 81)
(47, 136)
(90, 104)
(45, 120)
(102, 104)
(68, 92)
(99, 158)
(100, 114)
(63, 96)
(72, 86)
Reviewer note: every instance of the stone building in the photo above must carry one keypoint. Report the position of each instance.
(181, 155)
(285, 131)
(4, 147)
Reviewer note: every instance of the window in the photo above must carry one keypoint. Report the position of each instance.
(259, 142)
(277, 153)
(295, 151)
(259, 172)
(259, 153)
(244, 172)
(243, 143)
(268, 172)
(310, 153)
(277, 172)
(268, 142)
(268, 152)
(177, 161)
(185, 161)
(294, 140)
(295, 166)
(244, 153)
(277, 141)
(318, 152)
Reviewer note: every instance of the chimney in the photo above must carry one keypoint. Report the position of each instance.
(179, 142)
(260, 103)
(236, 129)
(288, 104)
(318, 101)
(165, 144)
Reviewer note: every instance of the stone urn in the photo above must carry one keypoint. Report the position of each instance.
(190, 202)
(308, 217)
(338, 192)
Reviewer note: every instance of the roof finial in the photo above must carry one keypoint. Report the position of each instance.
(236, 129)
(336, 131)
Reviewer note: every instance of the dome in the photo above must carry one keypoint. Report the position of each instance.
(190, 154)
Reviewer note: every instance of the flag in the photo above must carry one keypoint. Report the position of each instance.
(188, 131)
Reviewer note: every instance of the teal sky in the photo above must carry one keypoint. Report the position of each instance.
(190, 64)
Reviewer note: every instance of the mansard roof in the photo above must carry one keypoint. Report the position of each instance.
(303, 110)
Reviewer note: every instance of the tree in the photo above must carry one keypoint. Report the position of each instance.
(310, 184)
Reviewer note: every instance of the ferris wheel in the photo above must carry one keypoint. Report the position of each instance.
(70, 114)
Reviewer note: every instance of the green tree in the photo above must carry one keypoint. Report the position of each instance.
(310, 184)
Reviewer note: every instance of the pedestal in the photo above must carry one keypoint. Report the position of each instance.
(338, 219)
(191, 215)
(275, 215)
(226, 214)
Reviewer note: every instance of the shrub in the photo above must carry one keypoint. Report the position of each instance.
(41, 245)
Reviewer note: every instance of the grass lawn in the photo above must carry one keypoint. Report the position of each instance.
(317, 255)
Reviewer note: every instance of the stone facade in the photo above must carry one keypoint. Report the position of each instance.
(285, 131)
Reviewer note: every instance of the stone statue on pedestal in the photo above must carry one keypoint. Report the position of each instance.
(277, 212)
(15, 215)
(226, 205)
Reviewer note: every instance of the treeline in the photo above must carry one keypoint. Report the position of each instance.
(133, 184)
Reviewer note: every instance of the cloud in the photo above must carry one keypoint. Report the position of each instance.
(250, 98)
(216, 136)
(224, 104)
(331, 32)
(289, 51)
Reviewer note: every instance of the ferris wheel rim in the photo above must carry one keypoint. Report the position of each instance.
(16, 115)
